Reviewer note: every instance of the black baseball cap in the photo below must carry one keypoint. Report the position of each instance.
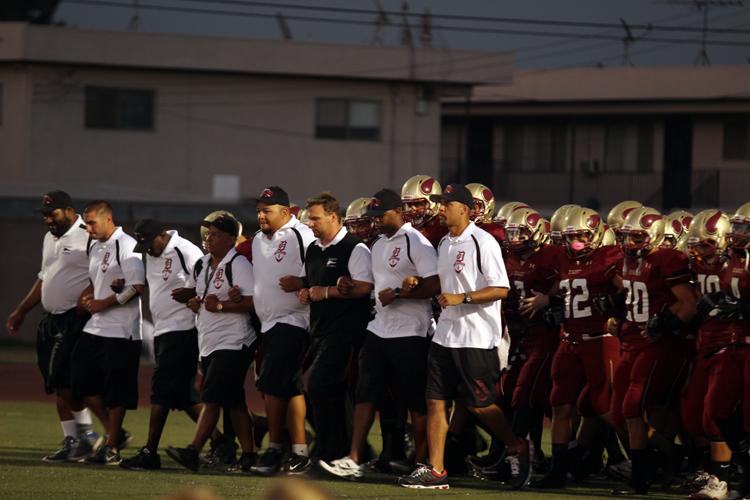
(54, 200)
(273, 195)
(224, 223)
(382, 201)
(454, 192)
(145, 232)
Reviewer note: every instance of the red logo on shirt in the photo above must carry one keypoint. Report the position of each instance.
(105, 262)
(219, 278)
(393, 260)
(280, 252)
(458, 266)
(167, 269)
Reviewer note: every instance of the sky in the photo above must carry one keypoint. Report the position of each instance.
(655, 47)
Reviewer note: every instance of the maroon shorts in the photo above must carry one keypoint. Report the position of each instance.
(534, 382)
(729, 385)
(585, 363)
(644, 378)
(702, 388)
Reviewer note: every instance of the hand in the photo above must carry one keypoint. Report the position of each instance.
(304, 296)
(290, 283)
(345, 285)
(317, 293)
(182, 295)
(613, 326)
(234, 294)
(194, 304)
(534, 305)
(450, 299)
(14, 322)
(211, 303)
(83, 300)
(117, 285)
(387, 296)
(94, 306)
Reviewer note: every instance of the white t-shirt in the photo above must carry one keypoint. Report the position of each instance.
(470, 325)
(406, 253)
(165, 273)
(223, 330)
(65, 268)
(275, 257)
(119, 321)
(360, 260)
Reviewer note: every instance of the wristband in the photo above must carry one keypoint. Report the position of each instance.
(127, 294)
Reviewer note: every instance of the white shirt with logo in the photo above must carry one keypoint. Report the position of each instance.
(65, 268)
(471, 325)
(223, 330)
(406, 253)
(121, 321)
(165, 273)
(275, 257)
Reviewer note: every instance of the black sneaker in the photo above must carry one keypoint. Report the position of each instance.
(61, 455)
(520, 465)
(84, 446)
(424, 477)
(298, 464)
(269, 463)
(145, 459)
(105, 455)
(125, 439)
(243, 465)
(187, 457)
(223, 452)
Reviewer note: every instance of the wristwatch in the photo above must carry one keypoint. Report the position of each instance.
(467, 298)
(397, 292)
(220, 307)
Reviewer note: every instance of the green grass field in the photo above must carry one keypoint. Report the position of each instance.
(29, 430)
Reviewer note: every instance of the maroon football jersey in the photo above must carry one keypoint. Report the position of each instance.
(246, 249)
(497, 231)
(648, 282)
(580, 280)
(433, 231)
(714, 333)
(735, 279)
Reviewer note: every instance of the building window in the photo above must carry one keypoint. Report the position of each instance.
(347, 119)
(535, 148)
(119, 109)
(737, 139)
(629, 147)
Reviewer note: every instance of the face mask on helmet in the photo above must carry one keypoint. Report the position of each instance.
(703, 250)
(417, 212)
(519, 238)
(477, 213)
(739, 237)
(635, 243)
(669, 241)
(361, 227)
(579, 243)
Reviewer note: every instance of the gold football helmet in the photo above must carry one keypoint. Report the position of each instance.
(674, 232)
(609, 239)
(525, 230)
(642, 230)
(212, 216)
(546, 237)
(557, 223)
(356, 221)
(708, 234)
(484, 203)
(617, 215)
(415, 194)
(504, 211)
(584, 231)
(739, 236)
(684, 217)
(303, 217)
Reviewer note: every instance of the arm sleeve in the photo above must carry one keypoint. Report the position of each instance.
(131, 263)
(424, 256)
(360, 264)
(493, 265)
(192, 255)
(242, 275)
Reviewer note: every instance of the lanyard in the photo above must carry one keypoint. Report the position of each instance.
(209, 278)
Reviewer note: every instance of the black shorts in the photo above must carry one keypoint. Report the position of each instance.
(56, 337)
(466, 372)
(224, 373)
(283, 349)
(107, 367)
(398, 364)
(176, 356)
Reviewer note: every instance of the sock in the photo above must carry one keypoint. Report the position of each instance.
(83, 421)
(274, 446)
(721, 470)
(69, 428)
(300, 449)
(559, 459)
(639, 477)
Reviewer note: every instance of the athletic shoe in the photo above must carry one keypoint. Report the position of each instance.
(425, 477)
(620, 471)
(125, 439)
(243, 465)
(520, 465)
(269, 463)
(81, 449)
(223, 452)
(298, 465)
(627, 490)
(343, 467)
(61, 455)
(713, 490)
(105, 455)
(145, 459)
(696, 481)
(187, 457)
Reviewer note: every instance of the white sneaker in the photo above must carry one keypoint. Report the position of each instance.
(714, 490)
(343, 467)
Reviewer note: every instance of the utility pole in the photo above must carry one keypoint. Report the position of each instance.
(425, 23)
(283, 26)
(378, 35)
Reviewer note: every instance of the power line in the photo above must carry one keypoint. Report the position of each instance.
(501, 31)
